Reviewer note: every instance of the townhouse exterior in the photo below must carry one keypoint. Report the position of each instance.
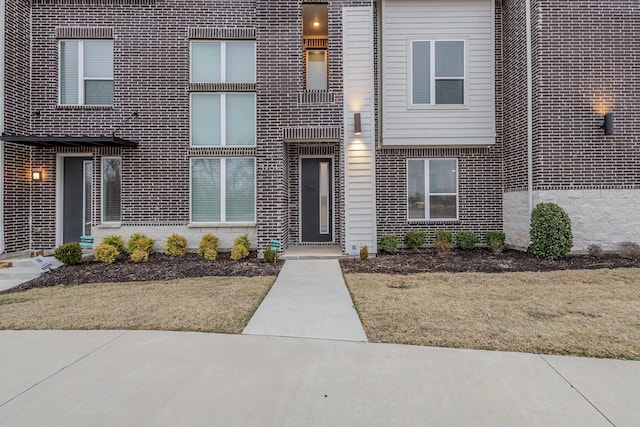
(317, 122)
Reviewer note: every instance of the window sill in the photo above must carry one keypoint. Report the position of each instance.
(434, 221)
(85, 107)
(220, 224)
(109, 225)
(459, 107)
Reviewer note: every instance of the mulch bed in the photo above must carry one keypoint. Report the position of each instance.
(478, 260)
(159, 267)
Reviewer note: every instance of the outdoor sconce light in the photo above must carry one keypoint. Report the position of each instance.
(357, 124)
(36, 176)
(608, 125)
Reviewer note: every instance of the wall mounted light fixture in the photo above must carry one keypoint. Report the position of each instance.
(608, 124)
(357, 124)
(36, 176)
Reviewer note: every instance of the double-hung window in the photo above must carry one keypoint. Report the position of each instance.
(432, 189)
(111, 187)
(438, 72)
(223, 189)
(86, 72)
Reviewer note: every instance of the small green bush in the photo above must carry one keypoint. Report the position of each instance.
(176, 245)
(389, 243)
(106, 253)
(416, 238)
(550, 231)
(69, 253)
(208, 242)
(238, 252)
(364, 252)
(140, 241)
(211, 254)
(443, 240)
(270, 255)
(244, 241)
(115, 241)
(495, 240)
(466, 240)
(139, 255)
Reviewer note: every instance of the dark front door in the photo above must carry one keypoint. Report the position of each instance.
(316, 200)
(76, 201)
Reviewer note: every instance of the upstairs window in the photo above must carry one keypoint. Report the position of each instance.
(438, 72)
(86, 72)
(223, 62)
(315, 43)
(223, 119)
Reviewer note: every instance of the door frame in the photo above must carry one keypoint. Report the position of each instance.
(332, 194)
(60, 191)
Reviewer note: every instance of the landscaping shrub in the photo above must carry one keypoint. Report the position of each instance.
(550, 232)
(495, 240)
(466, 240)
(208, 242)
(176, 245)
(239, 251)
(139, 255)
(389, 243)
(364, 252)
(69, 253)
(416, 238)
(443, 240)
(244, 241)
(595, 251)
(210, 254)
(140, 241)
(630, 250)
(115, 241)
(270, 255)
(106, 253)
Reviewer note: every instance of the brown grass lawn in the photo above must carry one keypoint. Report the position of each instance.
(207, 304)
(575, 312)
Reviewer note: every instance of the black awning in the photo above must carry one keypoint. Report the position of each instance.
(70, 141)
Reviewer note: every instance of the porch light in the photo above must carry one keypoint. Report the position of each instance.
(36, 176)
(608, 124)
(357, 124)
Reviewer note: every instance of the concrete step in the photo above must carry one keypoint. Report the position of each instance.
(20, 273)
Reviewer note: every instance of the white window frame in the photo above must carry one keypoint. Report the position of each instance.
(432, 74)
(102, 192)
(223, 191)
(427, 192)
(223, 119)
(81, 76)
(223, 58)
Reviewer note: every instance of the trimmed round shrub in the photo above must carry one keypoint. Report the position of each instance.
(106, 253)
(139, 256)
(270, 255)
(208, 242)
(244, 241)
(416, 238)
(389, 243)
(238, 252)
(364, 252)
(115, 241)
(69, 253)
(495, 240)
(443, 240)
(140, 241)
(466, 240)
(550, 232)
(211, 254)
(176, 245)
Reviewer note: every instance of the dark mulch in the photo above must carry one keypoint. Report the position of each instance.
(478, 260)
(159, 267)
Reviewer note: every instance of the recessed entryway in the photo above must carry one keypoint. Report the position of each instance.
(316, 200)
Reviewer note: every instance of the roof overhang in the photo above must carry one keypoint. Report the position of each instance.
(70, 141)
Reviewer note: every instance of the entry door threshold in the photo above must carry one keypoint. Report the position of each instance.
(313, 252)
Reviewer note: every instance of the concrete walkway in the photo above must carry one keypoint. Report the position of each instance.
(140, 378)
(308, 300)
(22, 270)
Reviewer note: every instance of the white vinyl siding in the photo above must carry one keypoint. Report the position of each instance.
(111, 189)
(223, 190)
(454, 103)
(223, 119)
(223, 62)
(432, 189)
(86, 72)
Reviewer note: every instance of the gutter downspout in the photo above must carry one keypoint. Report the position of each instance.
(529, 108)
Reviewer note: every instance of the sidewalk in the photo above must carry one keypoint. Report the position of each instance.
(22, 270)
(308, 300)
(140, 378)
